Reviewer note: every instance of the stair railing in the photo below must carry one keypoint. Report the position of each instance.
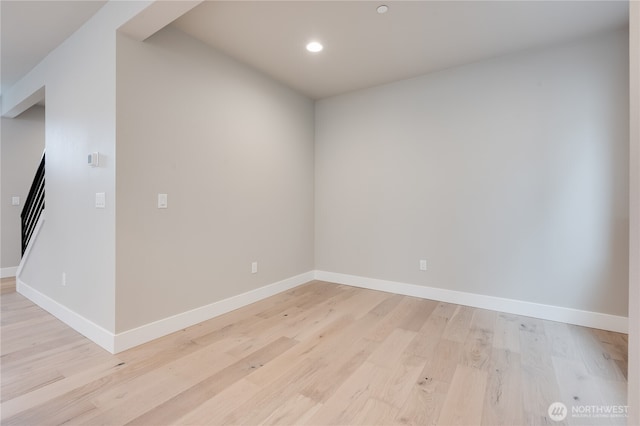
(33, 206)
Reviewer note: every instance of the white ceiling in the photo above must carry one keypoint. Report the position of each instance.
(364, 48)
(32, 29)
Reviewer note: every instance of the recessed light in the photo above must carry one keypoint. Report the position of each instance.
(314, 47)
(383, 8)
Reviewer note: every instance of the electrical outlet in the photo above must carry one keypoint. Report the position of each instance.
(64, 279)
(423, 264)
(254, 267)
(101, 200)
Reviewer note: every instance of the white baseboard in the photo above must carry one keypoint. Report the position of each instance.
(8, 272)
(82, 325)
(511, 306)
(115, 343)
(151, 331)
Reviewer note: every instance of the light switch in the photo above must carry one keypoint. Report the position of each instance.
(162, 201)
(15, 201)
(100, 200)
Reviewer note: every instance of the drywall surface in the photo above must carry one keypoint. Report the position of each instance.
(509, 176)
(21, 147)
(233, 151)
(634, 201)
(77, 239)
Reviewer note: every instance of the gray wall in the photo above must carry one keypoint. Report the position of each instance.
(234, 152)
(77, 239)
(633, 395)
(510, 176)
(21, 147)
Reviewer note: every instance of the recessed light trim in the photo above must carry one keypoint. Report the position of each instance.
(314, 47)
(383, 8)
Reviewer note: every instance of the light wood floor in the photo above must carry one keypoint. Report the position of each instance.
(7, 285)
(319, 354)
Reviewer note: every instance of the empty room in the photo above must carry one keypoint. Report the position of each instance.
(320, 212)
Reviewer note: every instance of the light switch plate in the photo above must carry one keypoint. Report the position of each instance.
(15, 201)
(100, 200)
(162, 201)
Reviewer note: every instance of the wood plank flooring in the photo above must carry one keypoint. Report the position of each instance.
(320, 354)
(7, 285)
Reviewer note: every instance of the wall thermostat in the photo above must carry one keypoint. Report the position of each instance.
(93, 159)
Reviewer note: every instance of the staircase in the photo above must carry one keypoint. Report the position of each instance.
(33, 207)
